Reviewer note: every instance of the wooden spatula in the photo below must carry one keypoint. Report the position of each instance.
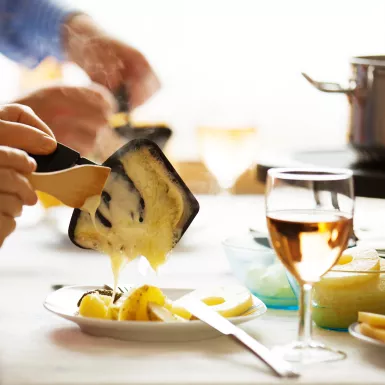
(72, 186)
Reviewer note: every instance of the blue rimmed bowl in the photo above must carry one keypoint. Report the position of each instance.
(258, 268)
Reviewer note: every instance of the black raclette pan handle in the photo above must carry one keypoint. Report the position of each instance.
(62, 158)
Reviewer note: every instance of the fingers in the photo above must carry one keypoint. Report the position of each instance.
(17, 160)
(93, 99)
(79, 105)
(26, 138)
(15, 189)
(113, 63)
(21, 128)
(7, 226)
(103, 99)
(82, 135)
(24, 114)
(138, 75)
(16, 184)
(142, 89)
(10, 205)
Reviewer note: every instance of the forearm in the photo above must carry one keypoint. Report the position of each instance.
(33, 29)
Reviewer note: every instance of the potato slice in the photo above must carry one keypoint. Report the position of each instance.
(153, 295)
(95, 305)
(134, 306)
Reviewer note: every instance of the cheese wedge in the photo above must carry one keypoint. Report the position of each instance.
(375, 320)
(372, 332)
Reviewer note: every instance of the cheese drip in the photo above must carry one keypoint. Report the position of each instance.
(117, 260)
(140, 217)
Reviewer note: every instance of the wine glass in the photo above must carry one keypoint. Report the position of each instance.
(309, 216)
(227, 153)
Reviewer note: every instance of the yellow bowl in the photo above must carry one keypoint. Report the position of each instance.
(338, 299)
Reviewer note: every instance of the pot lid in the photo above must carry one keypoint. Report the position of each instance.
(375, 60)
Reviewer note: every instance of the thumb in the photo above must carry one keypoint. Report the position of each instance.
(27, 138)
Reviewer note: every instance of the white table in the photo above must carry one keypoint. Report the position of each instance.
(39, 348)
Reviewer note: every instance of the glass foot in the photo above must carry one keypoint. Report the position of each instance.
(307, 353)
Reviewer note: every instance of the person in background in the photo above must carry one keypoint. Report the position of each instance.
(31, 30)
(21, 131)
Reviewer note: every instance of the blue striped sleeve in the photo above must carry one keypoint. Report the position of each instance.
(30, 30)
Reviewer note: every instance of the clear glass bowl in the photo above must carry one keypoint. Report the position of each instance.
(258, 268)
(340, 295)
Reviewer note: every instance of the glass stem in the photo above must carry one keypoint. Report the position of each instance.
(225, 192)
(305, 314)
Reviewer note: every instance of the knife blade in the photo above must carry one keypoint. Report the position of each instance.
(261, 238)
(200, 310)
(62, 158)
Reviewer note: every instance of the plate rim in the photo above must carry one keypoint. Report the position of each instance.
(362, 337)
(261, 309)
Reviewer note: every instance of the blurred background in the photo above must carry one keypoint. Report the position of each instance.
(234, 64)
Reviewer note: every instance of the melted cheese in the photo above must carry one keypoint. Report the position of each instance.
(144, 212)
(117, 259)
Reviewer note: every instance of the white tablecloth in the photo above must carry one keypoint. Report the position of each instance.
(39, 348)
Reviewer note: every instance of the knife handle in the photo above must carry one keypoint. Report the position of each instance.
(281, 367)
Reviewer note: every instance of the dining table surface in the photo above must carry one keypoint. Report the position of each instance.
(38, 347)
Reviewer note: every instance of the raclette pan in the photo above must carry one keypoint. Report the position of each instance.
(157, 164)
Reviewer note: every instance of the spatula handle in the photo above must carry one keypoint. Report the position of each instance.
(73, 185)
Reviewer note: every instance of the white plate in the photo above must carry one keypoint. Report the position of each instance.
(354, 330)
(63, 303)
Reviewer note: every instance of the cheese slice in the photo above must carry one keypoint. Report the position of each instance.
(375, 320)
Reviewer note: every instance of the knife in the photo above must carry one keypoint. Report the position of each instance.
(200, 310)
(259, 237)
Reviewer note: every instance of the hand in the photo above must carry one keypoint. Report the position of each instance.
(75, 114)
(109, 61)
(20, 128)
(15, 189)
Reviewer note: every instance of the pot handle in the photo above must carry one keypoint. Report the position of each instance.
(329, 87)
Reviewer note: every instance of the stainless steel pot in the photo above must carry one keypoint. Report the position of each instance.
(366, 94)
